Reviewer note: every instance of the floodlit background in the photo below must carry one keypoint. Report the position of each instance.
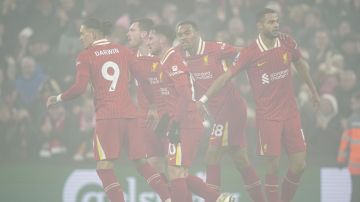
(46, 155)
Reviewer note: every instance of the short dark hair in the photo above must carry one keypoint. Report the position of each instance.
(188, 22)
(105, 27)
(145, 24)
(165, 30)
(260, 15)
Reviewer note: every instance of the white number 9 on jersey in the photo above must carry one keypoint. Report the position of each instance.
(114, 77)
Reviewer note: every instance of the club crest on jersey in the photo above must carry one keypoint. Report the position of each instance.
(285, 58)
(206, 60)
(77, 63)
(154, 66)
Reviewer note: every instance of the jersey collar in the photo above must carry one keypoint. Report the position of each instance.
(200, 49)
(100, 42)
(261, 45)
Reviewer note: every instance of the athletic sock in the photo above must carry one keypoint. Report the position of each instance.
(155, 180)
(289, 186)
(179, 190)
(272, 188)
(111, 185)
(200, 188)
(253, 184)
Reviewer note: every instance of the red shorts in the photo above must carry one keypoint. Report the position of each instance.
(185, 152)
(111, 134)
(230, 123)
(273, 134)
(154, 144)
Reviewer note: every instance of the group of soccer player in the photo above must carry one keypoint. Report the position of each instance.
(177, 87)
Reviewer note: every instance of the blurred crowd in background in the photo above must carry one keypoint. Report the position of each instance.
(39, 40)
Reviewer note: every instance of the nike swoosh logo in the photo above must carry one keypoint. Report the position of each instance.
(260, 64)
(171, 158)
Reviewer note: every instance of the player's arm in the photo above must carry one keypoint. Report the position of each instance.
(302, 68)
(152, 116)
(240, 62)
(78, 88)
(216, 86)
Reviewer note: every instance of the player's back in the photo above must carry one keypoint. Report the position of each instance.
(109, 76)
(147, 66)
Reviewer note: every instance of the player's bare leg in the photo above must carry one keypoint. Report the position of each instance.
(297, 164)
(155, 179)
(248, 172)
(112, 188)
(158, 163)
(271, 179)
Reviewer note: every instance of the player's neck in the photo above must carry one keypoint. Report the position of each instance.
(194, 48)
(269, 42)
(144, 50)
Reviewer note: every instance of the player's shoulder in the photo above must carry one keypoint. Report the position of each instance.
(170, 55)
(215, 46)
(288, 41)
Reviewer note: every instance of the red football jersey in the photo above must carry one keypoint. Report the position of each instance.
(106, 66)
(208, 64)
(269, 73)
(146, 66)
(176, 88)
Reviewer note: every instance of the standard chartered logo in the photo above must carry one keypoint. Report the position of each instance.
(265, 78)
(83, 185)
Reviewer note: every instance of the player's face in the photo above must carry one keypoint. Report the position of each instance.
(187, 36)
(134, 35)
(269, 26)
(86, 36)
(154, 43)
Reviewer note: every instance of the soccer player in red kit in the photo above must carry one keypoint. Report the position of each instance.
(147, 66)
(106, 66)
(185, 127)
(206, 61)
(268, 64)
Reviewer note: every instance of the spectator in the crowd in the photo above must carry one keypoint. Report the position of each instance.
(324, 130)
(328, 72)
(347, 86)
(320, 48)
(169, 14)
(29, 82)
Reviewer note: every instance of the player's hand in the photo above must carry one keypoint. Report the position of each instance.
(174, 133)
(52, 100)
(202, 109)
(152, 118)
(162, 125)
